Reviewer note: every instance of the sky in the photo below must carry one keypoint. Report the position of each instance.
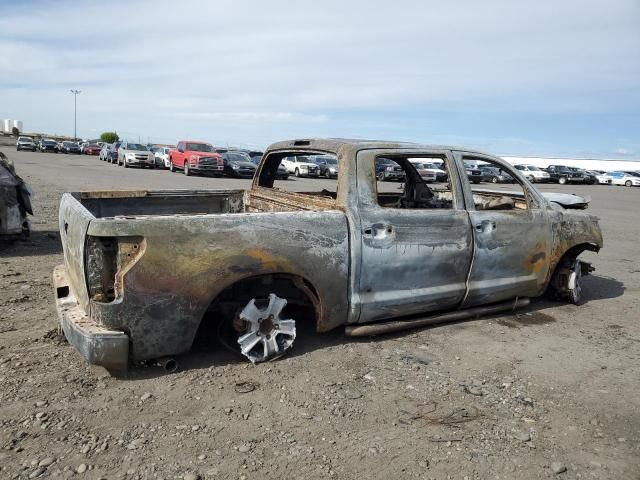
(556, 78)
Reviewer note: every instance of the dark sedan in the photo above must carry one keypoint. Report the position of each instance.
(70, 147)
(494, 175)
(281, 174)
(48, 145)
(328, 165)
(238, 164)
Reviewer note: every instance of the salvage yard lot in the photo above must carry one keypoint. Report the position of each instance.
(552, 387)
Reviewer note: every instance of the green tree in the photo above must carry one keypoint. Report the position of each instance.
(15, 131)
(109, 137)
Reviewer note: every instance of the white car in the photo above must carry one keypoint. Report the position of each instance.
(533, 173)
(624, 178)
(424, 169)
(300, 166)
(601, 178)
(162, 156)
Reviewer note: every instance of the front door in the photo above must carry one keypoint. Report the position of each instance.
(512, 238)
(415, 249)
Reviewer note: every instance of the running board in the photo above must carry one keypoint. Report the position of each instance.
(398, 325)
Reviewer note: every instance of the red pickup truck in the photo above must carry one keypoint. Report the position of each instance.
(195, 157)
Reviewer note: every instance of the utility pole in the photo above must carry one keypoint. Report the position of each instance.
(75, 112)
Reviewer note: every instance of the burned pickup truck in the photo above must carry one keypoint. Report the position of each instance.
(144, 269)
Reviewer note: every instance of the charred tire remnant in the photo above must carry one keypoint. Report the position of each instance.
(567, 280)
(266, 335)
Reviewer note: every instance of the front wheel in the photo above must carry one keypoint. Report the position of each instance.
(171, 167)
(297, 173)
(562, 180)
(627, 183)
(494, 179)
(186, 169)
(381, 177)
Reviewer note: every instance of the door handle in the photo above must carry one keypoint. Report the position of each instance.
(378, 229)
(486, 226)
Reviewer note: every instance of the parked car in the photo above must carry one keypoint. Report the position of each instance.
(25, 143)
(387, 170)
(438, 169)
(48, 145)
(494, 175)
(474, 174)
(600, 177)
(162, 156)
(427, 174)
(327, 164)
(534, 174)
(255, 154)
(70, 147)
(281, 173)
(562, 174)
(140, 278)
(104, 152)
(238, 164)
(624, 178)
(195, 157)
(135, 154)
(91, 149)
(588, 178)
(301, 166)
(113, 153)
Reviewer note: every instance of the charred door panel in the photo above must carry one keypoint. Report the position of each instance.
(512, 244)
(412, 260)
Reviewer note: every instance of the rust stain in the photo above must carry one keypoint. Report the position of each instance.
(536, 260)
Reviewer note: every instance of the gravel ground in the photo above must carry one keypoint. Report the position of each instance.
(551, 392)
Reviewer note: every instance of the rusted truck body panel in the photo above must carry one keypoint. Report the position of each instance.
(149, 265)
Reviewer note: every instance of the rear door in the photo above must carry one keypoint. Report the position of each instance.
(512, 241)
(415, 258)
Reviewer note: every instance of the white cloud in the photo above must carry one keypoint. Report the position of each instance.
(272, 69)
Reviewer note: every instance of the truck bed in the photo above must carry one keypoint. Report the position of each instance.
(123, 203)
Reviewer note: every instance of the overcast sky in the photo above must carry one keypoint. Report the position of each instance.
(511, 77)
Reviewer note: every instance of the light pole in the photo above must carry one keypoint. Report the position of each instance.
(75, 110)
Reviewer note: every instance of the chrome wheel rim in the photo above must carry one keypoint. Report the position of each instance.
(266, 336)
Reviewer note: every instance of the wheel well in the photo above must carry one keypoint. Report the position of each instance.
(571, 254)
(300, 294)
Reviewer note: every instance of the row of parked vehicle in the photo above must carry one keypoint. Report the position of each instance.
(562, 175)
(196, 157)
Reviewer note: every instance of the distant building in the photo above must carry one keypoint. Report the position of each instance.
(8, 124)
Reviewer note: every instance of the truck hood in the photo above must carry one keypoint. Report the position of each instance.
(567, 200)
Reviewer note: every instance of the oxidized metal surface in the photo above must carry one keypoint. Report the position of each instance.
(15, 201)
(188, 260)
(356, 261)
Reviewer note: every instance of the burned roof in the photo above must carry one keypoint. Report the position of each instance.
(335, 145)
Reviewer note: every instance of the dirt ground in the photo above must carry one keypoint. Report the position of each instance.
(550, 392)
